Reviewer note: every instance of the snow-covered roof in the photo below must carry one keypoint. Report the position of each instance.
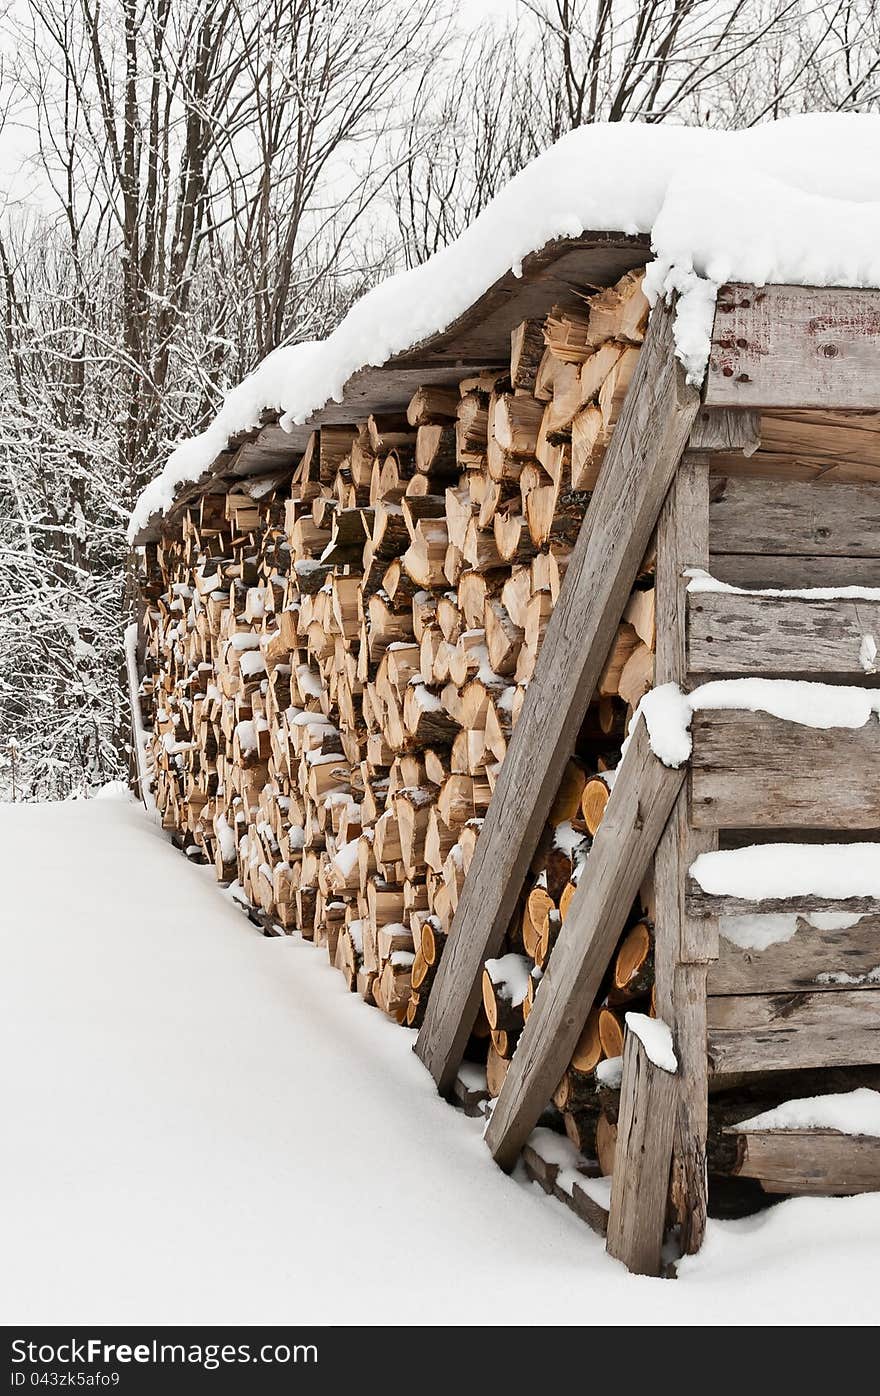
(794, 201)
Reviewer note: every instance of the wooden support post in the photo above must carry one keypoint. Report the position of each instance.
(644, 793)
(645, 1128)
(650, 436)
(684, 946)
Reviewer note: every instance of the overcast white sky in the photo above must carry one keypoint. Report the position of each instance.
(20, 183)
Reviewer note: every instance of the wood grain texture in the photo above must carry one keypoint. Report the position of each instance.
(780, 1032)
(795, 572)
(643, 795)
(719, 429)
(812, 959)
(683, 945)
(645, 1126)
(750, 770)
(774, 465)
(793, 517)
(700, 903)
(795, 346)
(834, 437)
(645, 450)
(809, 1162)
(738, 635)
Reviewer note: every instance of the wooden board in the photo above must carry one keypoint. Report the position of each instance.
(833, 437)
(683, 945)
(775, 465)
(749, 770)
(731, 635)
(643, 796)
(809, 1162)
(547, 275)
(700, 903)
(795, 346)
(810, 960)
(642, 1157)
(760, 570)
(719, 429)
(833, 446)
(794, 517)
(648, 441)
(780, 1032)
(576, 1198)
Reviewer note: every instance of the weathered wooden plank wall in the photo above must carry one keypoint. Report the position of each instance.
(811, 959)
(781, 1032)
(750, 770)
(794, 517)
(731, 635)
(795, 346)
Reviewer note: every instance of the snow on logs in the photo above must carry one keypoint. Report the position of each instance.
(335, 663)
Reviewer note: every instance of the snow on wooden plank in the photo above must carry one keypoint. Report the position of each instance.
(645, 1128)
(809, 1162)
(789, 951)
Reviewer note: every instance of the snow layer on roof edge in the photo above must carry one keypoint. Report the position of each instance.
(792, 201)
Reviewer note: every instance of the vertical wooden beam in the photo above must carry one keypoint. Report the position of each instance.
(648, 440)
(645, 1128)
(684, 945)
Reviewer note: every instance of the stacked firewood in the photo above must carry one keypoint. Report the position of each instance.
(336, 657)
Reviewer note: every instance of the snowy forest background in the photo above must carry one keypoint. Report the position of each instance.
(188, 184)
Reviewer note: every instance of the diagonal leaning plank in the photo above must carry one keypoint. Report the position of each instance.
(648, 441)
(641, 801)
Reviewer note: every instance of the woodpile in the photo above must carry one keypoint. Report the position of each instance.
(336, 657)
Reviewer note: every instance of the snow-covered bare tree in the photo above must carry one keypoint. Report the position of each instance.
(203, 168)
(560, 64)
(208, 179)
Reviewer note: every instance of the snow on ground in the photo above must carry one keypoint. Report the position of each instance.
(796, 200)
(204, 1126)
